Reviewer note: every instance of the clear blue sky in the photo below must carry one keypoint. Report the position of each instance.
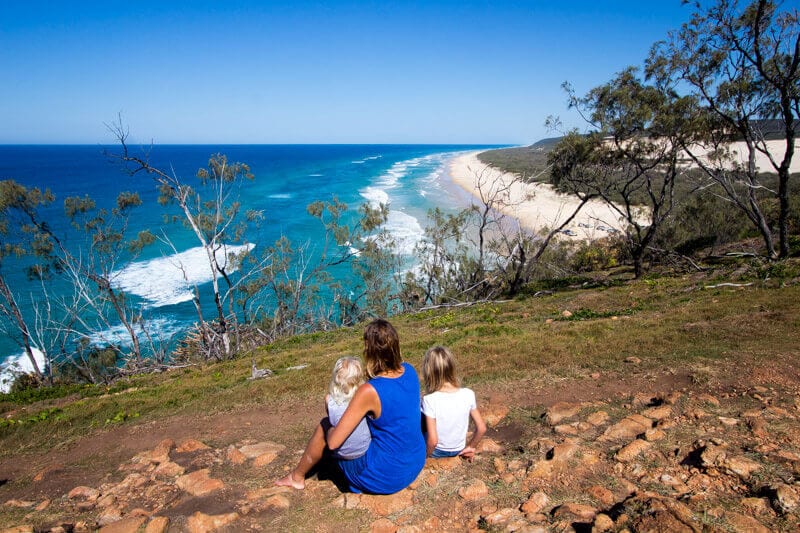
(311, 72)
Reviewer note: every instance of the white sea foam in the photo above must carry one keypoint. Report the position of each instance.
(405, 230)
(169, 280)
(375, 196)
(281, 195)
(16, 365)
(160, 329)
(315, 175)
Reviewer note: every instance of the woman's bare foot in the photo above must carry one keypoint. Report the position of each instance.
(290, 481)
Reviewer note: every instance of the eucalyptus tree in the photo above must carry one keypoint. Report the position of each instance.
(20, 236)
(741, 61)
(211, 210)
(632, 158)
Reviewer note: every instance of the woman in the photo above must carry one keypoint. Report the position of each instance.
(390, 400)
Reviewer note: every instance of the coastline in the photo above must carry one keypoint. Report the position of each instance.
(535, 206)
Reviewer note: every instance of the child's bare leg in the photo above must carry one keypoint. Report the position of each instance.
(311, 456)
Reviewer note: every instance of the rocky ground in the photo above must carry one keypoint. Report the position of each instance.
(665, 460)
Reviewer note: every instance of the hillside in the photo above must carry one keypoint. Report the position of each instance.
(665, 404)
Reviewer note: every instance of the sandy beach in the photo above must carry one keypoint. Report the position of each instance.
(535, 205)
(538, 205)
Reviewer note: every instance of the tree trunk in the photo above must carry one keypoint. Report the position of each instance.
(23, 327)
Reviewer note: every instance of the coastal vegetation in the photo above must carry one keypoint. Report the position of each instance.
(659, 151)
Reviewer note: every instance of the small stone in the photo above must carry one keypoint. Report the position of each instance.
(84, 493)
(43, 505)
(564, 451)
(595, 375)
(203, 523)
(756, 505)
(499, 465)
(191, 445)
(19, 504)
(254, 450)
(744, 524)
(658, 413)
(158, 524)
(389, 504)
(560, 411)
(741, 466)
(602, 495)
(19, 529)
(566, 429)
(160, 454)
(730, 422)
(503, 516)
(598, 418)
(534, 504)
(582, 513)
(602, 523)
(169, 469)
(626, 429)
(566, 314)
(198, 483)
(654, 434)
(784, 498)
(126, 525)
(540, 469)
(633, 360)
(264, 459)
(487, 445)
(629, 452)
(383, 525)
(476, 490)
(493, 414)
(707, 398)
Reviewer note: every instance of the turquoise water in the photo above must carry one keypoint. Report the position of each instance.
(409, 178)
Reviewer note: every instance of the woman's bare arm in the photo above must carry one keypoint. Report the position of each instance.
(364, 401)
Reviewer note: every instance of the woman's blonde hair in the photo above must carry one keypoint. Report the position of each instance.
(348, 375)
(381, 348)
(438, 368)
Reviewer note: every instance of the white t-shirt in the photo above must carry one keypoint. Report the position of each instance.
(451, 411)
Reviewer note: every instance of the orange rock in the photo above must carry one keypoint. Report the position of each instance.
(47, 471)
(198, 483)
(535, 503)
(169, 469)
(158, 524)
(560, 411)
(126, 525)
(383, 525)
(252, 451)
(476, 490)
(744, 524)
(602, 495)
(493, 414)
(388, 504)
(631, 451)
(203, 523)
(264, 459)
(582, 513)
(487, 445)
(627, 428)
(235, 456)
(191, 445)
(84, 493)
(597, 419)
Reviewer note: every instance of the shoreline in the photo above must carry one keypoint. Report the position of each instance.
(535, 206)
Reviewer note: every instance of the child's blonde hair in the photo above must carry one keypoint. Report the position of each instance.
(439, 368)
(348, 375)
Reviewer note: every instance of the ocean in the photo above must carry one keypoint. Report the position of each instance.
(410, 179)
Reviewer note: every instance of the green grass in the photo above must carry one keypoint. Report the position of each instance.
(668, 323)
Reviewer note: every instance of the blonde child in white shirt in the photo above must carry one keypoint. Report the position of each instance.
(447, 408)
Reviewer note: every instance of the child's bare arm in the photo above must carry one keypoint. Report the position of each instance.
(432, 438)
(480, 429)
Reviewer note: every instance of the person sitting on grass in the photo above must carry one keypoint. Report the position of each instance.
(447, 408)
(390, 401)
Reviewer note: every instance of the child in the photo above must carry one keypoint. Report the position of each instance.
(348, 375)
(448, 407)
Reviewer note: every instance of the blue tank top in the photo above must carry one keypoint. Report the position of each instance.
(396, 455)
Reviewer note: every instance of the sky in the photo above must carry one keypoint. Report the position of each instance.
(252, 72)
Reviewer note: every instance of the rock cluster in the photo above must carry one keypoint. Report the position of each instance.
(673, 461)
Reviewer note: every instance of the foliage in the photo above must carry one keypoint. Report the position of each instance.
(741, 63)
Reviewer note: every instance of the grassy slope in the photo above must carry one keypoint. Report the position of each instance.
(669, 323)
